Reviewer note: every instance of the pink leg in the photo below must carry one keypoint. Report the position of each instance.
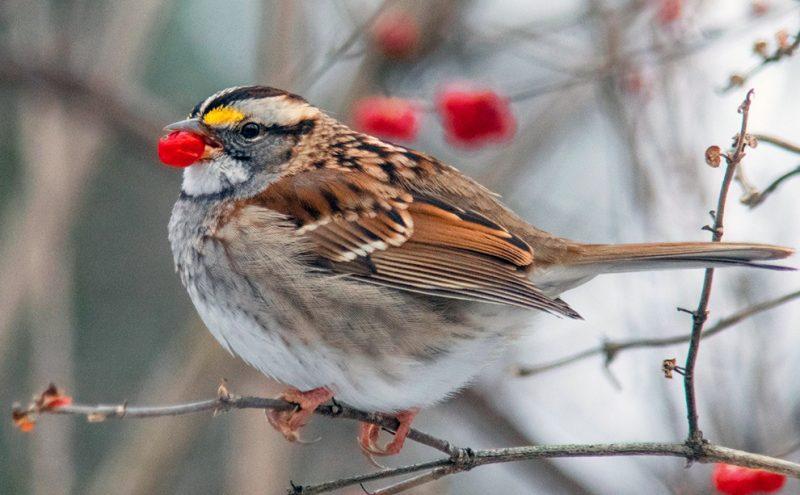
(290, 422)
(368, 435)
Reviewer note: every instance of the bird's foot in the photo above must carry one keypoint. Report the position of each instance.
(289, 422)
(368, 435)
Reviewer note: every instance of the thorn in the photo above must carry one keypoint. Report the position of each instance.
(684, 310)
(747, 100)
(122, 409)
(95, 417)
(303, 441)
(296, 489)
(222, 390)
(612, 378)
(668, 366)
(372, 461)
(610, 351)
(696, 316)
(336, 407)
(464, 458)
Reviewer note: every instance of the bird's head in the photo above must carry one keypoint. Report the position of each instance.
(247, 133)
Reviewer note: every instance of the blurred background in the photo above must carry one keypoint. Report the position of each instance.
(612, 106)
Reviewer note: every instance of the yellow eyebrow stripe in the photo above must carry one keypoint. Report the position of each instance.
(223, 116)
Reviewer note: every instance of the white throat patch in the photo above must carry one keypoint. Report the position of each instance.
(211, 177)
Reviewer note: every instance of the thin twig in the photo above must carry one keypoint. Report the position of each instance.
(782, 51)
(611, 349)
(699, 316)
(583, 76)
(776, 141)
(706, 453)
(415, 481)
(771, 188)
(224, 403)
(339, 52)
(751, 195)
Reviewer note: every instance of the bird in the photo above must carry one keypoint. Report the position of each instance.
(350, 268)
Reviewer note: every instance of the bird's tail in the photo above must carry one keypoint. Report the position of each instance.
(582, 262)
(614, 258)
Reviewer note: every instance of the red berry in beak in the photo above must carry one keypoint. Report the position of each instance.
(180, 148)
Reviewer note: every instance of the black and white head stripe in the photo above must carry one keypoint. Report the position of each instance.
(229, 96)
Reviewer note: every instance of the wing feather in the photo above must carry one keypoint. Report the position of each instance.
(473, 276)
(384, 235)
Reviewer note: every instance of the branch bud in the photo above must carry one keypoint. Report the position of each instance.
(713, 156)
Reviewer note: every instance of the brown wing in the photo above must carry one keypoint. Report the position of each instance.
(348, 215)
(382, 234)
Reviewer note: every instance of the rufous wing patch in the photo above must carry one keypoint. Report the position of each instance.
(348, 215)
(440, 224)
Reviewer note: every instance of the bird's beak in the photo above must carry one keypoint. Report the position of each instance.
(195, 126)
(188, 125)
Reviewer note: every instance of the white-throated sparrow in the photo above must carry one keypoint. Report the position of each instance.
(340, 264)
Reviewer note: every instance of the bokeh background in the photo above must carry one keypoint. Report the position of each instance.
(615, 102)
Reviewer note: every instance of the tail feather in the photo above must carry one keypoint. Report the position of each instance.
(615, 258)
(582, 262)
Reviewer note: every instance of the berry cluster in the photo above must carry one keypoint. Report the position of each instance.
(470, 117)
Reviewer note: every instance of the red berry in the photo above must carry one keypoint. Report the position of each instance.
(180, 148)
(635, 81)
(474, 118)
(759, 7)
(396, 34)
(737, 480)
(392, 118)
(669, 11)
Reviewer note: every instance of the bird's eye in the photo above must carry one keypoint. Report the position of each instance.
(250, 130)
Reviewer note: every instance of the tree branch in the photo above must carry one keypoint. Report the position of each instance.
(121, 107)
(457, 460)
(707, 453)
(223, 403)
(611, 349)
(699, 315)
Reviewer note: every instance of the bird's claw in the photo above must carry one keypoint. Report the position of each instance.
(289, 422)
(369, 433)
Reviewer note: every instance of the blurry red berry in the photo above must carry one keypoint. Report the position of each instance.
(737, 480)
(669, 11)
(180, 148)
(396, 34)
(474, 118)
(636, 82)
(759, 7)
(392, 118)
